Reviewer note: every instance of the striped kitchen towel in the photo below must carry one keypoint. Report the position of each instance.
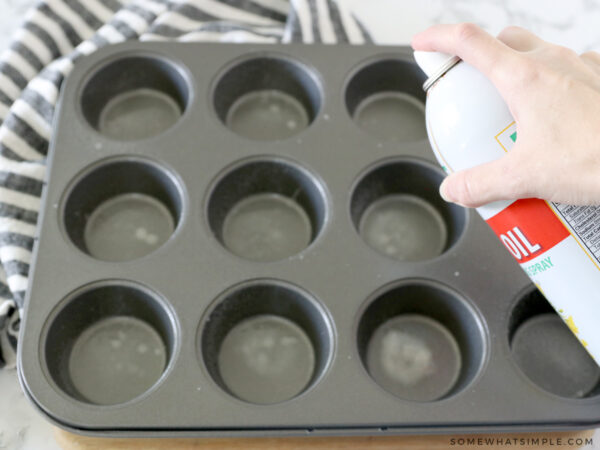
(54, 35)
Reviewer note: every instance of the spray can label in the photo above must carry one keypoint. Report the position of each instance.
(558, 246)
(528, 240)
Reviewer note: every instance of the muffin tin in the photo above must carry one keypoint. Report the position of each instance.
(249, 240)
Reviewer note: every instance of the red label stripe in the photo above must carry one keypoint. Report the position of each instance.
(528, 228)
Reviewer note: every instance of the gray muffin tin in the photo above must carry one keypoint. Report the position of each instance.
(249, 240)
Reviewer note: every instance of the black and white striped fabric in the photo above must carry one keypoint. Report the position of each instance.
(54, 35)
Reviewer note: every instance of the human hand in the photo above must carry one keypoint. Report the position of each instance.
(554, 96)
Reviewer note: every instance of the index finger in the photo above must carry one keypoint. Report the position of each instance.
(473, 45)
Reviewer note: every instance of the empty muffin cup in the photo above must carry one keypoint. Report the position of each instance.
(122, 209)
(385, 98)
(135, 97)
(266, 341)
(266, 210)
(420, 341)
(548, 353)
(109, 342)
(397, 210)
(267, 98)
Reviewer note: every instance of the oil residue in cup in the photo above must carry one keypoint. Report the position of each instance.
(404, 227)
(406, 358)
(138, 114)
(127, 226)
(267, 227)
(267, 114)
(391, 115)
(414, 357)
(116, 359)
(266, 359)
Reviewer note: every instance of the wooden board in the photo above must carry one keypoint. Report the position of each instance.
(69, 441)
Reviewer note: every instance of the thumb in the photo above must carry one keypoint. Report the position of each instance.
(489, 182)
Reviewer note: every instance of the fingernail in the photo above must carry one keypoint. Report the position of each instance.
(444, 192)
(447, 195)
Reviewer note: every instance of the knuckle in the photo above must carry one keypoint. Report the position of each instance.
(509, 31)
(591, 56)
(567, 53)
(562, 53)
(556, 79)
(466, 31)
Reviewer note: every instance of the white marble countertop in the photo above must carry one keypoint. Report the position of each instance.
(574, 23)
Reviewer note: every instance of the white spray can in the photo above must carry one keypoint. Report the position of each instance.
(558, 246)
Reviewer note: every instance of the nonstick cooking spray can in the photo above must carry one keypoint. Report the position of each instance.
(558, 246)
